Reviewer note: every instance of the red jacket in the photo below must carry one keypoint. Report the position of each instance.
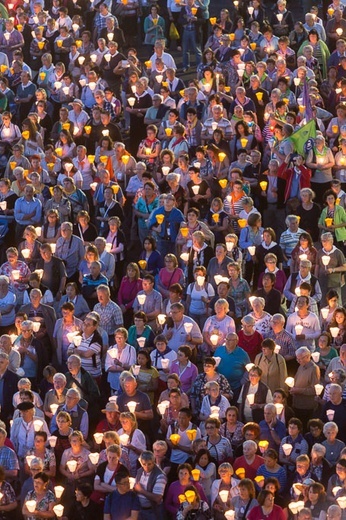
(287, 175)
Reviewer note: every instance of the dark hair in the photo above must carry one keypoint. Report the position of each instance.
(141, 315)
(272, 454)
(269, 275)
(85, 488)
(253, 217)
(268, 342)
(200, 453)
(315, 423)
(263, 495)
(42, 434)
(187, 412)
(297, 422)
(146, 355)
(42, 475)
(151, 240)
(184, 465)
(252, 426)
(326, 194)
(270, 231)
(186, 350)
(272, 480)
(307, 236)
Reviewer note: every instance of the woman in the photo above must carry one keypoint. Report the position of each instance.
(209, 374)
(154, 26)
(120, 357)
(251, 409)
(232, 428)
(183, 367)
(64, 326)
(198, 296)
(249, 461)
(297, 441)
(83, 228)
(217, 220)
(213, 398)
(32, 140)
(266, 510)
(326, 351)
(321, 160)
(147, 376)
(9, 132)
(91, 255)
(245, 501)
(176, 188)
(58, 203)
(151, 256)
(243, 139)
(8, 500)
(262, 318)
(271, 468)
(7, 305)
(333, 211)
(319, 50)
(84, 467)
(20, 181)
(270, 262)
(338, 320)
(44, 498)
(317, 501)
(333, 445)
(162, 353)
(198, 197)
(65, 145)
(149, 149)
(141, 330)
(116, 238)
(169, 275)
(72, 295)
(194, 507)
(30, 243)
(136, 442)
(309, 213)
(171, 500)
(303, 250)
(200, 253)
(108, 208)
(42, 452)
(178, 144)
(251, 237)
(266, 247)
(18, 283)
(51, 229)
(239, 289)
(233, 203)
(104, 482)
(219, 447)
(250, 339)
(130, 286)
(34, 355)
(226, 482)
(326, 313)
(193, 224)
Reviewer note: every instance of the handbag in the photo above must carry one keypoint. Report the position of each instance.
(173, 32)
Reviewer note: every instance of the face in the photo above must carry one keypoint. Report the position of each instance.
(269, 415)
(183, 475)
(39, 486)
(73, 367)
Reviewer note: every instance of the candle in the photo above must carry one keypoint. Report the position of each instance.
(289, 381)
(58, 510)
(188, 327)
(132, 406)
(318, 389)
(287, 448)
(141, 299)
(162, 407)
(58, 490)
(72, 465)
(98, 437)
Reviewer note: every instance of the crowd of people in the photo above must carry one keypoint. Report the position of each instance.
(172, 260)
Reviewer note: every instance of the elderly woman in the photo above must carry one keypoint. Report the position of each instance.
(329, 274)
(250, 339)
(212, 398)
(63, 327)
(83, 228)
(337, 214)
(44, 498)
(200, 253)
(226, 482)
(321, 160)
(289, 239)
(209, 374)
(73, 296)
(186, 370)
(273, 365)
(251, 235)
(41, 451)
(262, 318)
(17, 272)
(7, 305)
(220, 324)
(239, 289)
(309, 213)
(60, 203)
(333, 445)
(56, 395)
(120, 357)
(270, 262)
(31, 246)
(251, 408)
(34, 356)
(219, 447)
(232, 427)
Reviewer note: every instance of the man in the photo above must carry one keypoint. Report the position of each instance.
(282, 338)
(242, 100)
(106, 128)
(329, 276)
(303, 392)
(232, 364)
(335, 57)
(338, 405)
(111, 67)
(272, 430)
(192, 102)
(79, 416)
(311, 25)
(90, 348)
(271, 296)
(8, 458)
(182, 451)
(23, 430)
(70, 249)
(261, 100)
(111, 421)
(145, 204)
(37, 311)
(184, 329)
(77, 377)
(155, 114)
(122, 504)
(110, 313)
(319, 465)
(106, 258)
(91, 282)
(55, 396)
(159, 53)
(303, 275)
(8, 387)
(54, 272)
(289, 238)
(152, 305)
(150, 486)
(222, 123)
(27, 211)
(143, 412)
(311, 328)
(13, 354)
(167, 228)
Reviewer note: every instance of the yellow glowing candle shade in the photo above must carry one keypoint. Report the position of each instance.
(87, 129)
(263, 444)
(168, 131)
(58, 151)
(240, 472)
(222, 156)
(91, 158)
(194, 11)
(243, 142)
(223, 183)
(184, 231)
(181, 498)
(160, 219)
(242, 222)
(59, 43)
(3, 68)
(335, 129)
(103, 158)
(26, 134)
(263, 185)
(174, 438)
(125, 159)
(328, 221)
(191, 434)
(232, 36)
(40, 45)
(79, 43)
(215, 217)
(259, 96)
(212, 20)
(182, 92)
(259, 479)
(142, 264)
(66, 126)
(42, 75)
(13, 164)
(253, 46)
(148, 64)
(196, 473)
(190, 496)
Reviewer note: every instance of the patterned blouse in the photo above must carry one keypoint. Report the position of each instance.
(8, 493)
(234, 438)
(262, 324)
(49, 461)
(43, 504)
(198, 390)
(239, 294)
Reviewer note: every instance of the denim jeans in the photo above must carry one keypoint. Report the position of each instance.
(190, 44)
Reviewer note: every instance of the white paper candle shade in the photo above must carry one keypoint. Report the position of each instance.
(229, 515)
(38, 425)
(217, 360)
(325, 260)
(165, 170)
(218, 279)
(15, 274)
(53, 408)
(124, 439)
(53, 248)
(131, 405)
(330, 414)
(72, 465)
(31, 505)
(98, 437)
(110, 36)
(300, 505)
(52, 441)
(316, 356)
(132, 482)
(195, 189)
(224, 495)
(277, 349)
(298, 329)
(13, 338)
(287, 449)
(94, 458)
(334, 331)
(92, 85)
(252, 299)
(107, 57)
(58, 510)
(289, 382)
(319, 389)
(112, 352)
(108, 247)
(3, 205)
(200, 280)
(141, 299)
(250, 398)
(279, 407)
(68, 167)
(293, 507)
(82, 81)
(250, 10)
(136, 369)
(297, 291)
(77, 340)
(214, 338)
(131, 101)
(161, 318)
(29, 459)
(113, 398)
(141, 341)
(279, 16)
(133, 89)
(296, 81)
(165, 363)
(58, 490)
(249, 366)
(324, 313)
(342, 502)
(162, 407)
(70, 336)
(188, 327)
(215, 411)
(252, 250)
(184, 257)
(26, 253)
(336, 490)
(36, 326)
(229, 246)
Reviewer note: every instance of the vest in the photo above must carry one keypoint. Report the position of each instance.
(156, 472)
(260, 398)
(312, 282)
(75, 416)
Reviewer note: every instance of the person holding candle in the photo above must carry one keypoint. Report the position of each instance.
(261, 317)
(330, 264)
(266, 508)
(338, 321)
(119, 357)
(304, 250)
(186, 370)
(23, 428)
(333, 445)
(147, 376)
(40, 451)
(296, 440)
(134, 443)
(44, 499)
(252, 409)
(104, 482)
(303, 324)
(31, 247)
(338, 215)
(223, 490)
